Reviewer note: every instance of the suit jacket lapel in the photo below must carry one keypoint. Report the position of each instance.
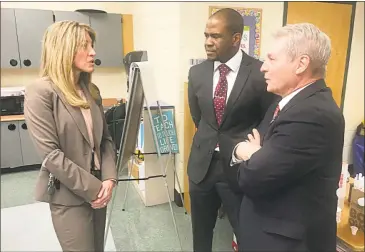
(303, 94)
(75, 113)
(208, 91)
(239, 84)
(268, 120)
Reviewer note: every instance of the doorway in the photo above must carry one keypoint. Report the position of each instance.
(336, 19)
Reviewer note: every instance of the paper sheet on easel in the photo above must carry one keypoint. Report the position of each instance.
(148, 81)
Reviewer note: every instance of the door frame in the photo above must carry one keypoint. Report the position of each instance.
(352, 21)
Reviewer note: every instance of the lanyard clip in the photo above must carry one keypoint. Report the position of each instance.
(51, 186)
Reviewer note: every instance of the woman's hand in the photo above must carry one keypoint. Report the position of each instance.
(104, 194)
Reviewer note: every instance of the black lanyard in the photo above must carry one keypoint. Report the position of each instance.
(93, 159)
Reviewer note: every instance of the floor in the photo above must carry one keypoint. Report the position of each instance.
(27, 226)
(138, 228)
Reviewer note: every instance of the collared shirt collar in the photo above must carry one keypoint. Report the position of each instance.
(234, 62)
(290, 96)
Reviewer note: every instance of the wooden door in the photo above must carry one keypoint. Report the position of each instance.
(335, 19)
(189, 131)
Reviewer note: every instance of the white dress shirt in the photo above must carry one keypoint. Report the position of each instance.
(281, 104)
(234, 64)
(290, 96)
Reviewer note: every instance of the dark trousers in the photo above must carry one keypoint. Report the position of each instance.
(206, 199)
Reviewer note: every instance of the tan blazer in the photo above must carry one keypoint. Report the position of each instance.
(59, 133)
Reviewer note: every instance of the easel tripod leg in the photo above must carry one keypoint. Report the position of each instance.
(162, 168)
(170, 157)
(128, 182)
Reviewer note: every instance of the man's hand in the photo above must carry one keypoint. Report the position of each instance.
(246, 149)
(255, 138)
(104, 194)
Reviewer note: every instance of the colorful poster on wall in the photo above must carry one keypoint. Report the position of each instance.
(245, 41)
(251, 37)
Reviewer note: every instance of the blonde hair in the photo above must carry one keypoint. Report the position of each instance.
(61, 41)
(305, 38)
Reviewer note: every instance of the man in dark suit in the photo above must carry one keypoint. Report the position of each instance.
(289, 178)
(227, 95)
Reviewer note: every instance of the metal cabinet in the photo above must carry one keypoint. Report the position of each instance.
(9, 40)
(17, 149)
(29, 153)
(11, 154)
(71, 15)
(30, 27)
(108, 45)
(22, 31)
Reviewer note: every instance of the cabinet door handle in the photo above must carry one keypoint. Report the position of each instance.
(27, 62)
(11, 127)
(13, 62)
(24, 126)
(97, 62)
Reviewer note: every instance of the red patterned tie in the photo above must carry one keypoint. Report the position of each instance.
(220, 93)
(276, 112)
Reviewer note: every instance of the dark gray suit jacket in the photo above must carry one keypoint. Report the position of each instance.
(290, 184)
(246, 107)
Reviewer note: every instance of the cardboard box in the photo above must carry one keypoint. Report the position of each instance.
(356, 215)
(135, 170)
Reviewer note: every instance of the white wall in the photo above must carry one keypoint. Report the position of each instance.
(157, 31)
(111, 81)
(354, 96)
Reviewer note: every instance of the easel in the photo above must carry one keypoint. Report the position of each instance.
(128, 142)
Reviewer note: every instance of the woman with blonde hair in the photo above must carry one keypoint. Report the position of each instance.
(66, 122)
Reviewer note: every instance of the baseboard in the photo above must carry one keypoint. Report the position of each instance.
(20, 168)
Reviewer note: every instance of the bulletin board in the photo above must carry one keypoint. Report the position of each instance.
(251, 36)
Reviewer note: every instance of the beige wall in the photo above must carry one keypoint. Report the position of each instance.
(111, 81)
(173, 37)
